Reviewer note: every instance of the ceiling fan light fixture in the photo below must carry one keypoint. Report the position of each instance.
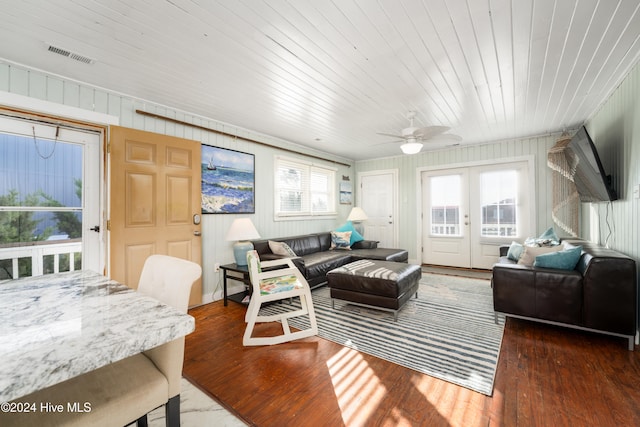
(411, 147)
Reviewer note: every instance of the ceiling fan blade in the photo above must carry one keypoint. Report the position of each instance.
(390, 134)
(429, 131)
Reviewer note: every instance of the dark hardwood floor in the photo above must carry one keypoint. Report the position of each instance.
(546, 376)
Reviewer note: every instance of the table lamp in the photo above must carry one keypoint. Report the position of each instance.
(356, 216)
(241, 230)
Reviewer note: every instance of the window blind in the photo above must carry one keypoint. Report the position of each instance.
(303, 189)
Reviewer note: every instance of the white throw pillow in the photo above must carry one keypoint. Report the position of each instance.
(531, 252)
(281, 248)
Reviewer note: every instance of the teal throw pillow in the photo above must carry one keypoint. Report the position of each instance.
(562, 260)
(355, 236)
(549, 234)
(515, 250)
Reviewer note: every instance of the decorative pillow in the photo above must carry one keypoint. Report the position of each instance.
(515, 250)
(562, 260)
(281, 248)
(548, 238)
(536, 242)
(341, 240)
(550, 234)
(355, 236)
(531, 252)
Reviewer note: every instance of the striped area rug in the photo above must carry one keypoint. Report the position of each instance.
(448, 332)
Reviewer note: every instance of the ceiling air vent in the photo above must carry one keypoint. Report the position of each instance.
(71, 55)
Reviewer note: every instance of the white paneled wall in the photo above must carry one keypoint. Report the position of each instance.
(36, 84)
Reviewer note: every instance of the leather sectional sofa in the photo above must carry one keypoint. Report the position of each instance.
(315, 259)
(599, 295)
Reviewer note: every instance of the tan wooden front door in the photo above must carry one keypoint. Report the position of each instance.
(154, 197)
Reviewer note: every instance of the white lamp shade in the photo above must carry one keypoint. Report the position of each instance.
(242, 229)
(411, 147)
(357, 214)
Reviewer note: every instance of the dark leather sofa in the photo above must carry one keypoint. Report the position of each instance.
(315, 259)
(599, 295)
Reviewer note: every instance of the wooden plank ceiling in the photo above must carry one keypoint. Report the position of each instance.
(331, 74)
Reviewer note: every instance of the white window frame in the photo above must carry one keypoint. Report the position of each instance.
(92, 246)
(307, 168)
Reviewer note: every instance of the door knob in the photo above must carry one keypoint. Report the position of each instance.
(197, 233)
(96, 229)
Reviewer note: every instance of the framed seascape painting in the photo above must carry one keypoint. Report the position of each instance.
(228, 181)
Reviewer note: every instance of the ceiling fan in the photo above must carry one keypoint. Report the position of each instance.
(413, 137)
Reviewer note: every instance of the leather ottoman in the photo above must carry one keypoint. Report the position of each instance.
(384, 285)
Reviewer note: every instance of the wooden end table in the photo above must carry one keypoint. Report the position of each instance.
(235, 268)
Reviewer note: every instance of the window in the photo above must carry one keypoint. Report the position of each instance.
(303, 189)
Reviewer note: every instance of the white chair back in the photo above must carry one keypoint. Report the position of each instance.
(169, 280)
(166, 278)
(273, 284)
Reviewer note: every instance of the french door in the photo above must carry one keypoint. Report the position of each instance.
(469, 212)
(446, 231)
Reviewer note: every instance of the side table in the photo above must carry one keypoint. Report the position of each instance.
(241, 270)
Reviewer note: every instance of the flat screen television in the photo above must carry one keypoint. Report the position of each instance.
(592, 184)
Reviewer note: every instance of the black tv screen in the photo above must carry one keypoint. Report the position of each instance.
(592, 184)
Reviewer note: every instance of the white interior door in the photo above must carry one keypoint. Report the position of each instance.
(378, 198)
(469, 212)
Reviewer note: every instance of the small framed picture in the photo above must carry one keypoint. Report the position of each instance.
(345, 193)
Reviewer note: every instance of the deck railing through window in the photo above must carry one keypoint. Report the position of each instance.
(41, 258)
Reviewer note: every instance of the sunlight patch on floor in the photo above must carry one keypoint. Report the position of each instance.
(457, 405)
(358, 390)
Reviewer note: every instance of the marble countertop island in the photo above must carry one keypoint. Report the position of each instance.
(58, 326)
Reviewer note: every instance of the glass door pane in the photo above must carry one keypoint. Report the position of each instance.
(41, 193)
(445, 205)
(498, 203)
(43, 196)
